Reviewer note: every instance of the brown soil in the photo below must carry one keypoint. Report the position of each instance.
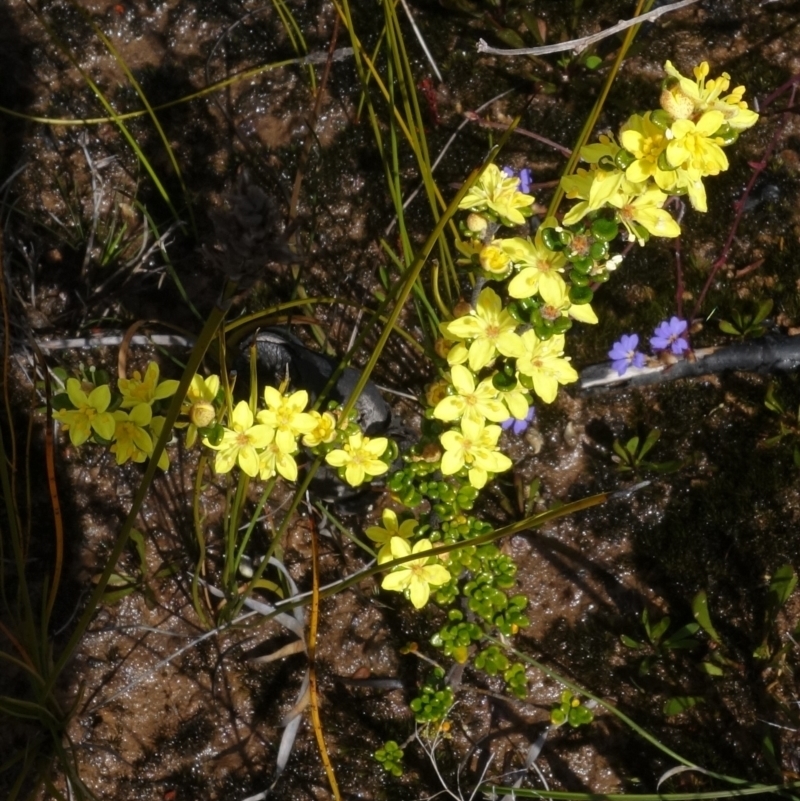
(160, 713)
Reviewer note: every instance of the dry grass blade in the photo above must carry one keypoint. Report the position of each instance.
(52, 486)
(143, 97)
(312, 669)
(114, 117)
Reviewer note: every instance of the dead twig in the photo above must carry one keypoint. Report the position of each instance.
(577, 45)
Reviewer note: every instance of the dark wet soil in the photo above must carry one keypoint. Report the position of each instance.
(154, 719)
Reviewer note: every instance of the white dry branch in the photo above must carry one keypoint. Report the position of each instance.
(577, 45)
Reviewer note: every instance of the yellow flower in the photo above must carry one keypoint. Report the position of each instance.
(416, 576)
(273, 459)
(360, 458)
(383, 535)
(90, 413)
(544, 364)
(138, 390)
(557, 304)
(595, 188)
(494, 191)
(286, 416)
(645, 208)
(491, 329)
(131, 441)
(323, 432)
(198, 405)
(686, 99)
(540, 266)
(693, 147)
(478, 403)
(604, 150)
(495, 261)
(645, 141)
(473, 447)
(240, 442)
(516, 400)
(452, 346)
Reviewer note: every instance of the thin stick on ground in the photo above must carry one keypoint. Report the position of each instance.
(577, 45)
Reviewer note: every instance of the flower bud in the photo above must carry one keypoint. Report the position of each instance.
(202, 414)
(432, 452)
(461, 309)
(442, 347)
(677, 104)
(436, 392)
(477, 223)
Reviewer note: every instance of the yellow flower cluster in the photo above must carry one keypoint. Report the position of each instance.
(266, 444)
(664, 152)
(498, 355)
(536, 269)
(125, 422)
(487, 332)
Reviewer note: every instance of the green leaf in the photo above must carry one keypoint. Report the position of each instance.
(659, 629)
(729, 328)
(141, 548)
(580, 716)
(61, 402)
(558, 716)
(770, 757)
(683, 638)
(701, 615)
(764, 308)
(581, 294)
(112, 596)
(604, 229)
(629, 642)
(632, 445)
(667, 467)
(763, 651)
(771, 402)
(782, 585)
(121, 580)
(593, 62)
(711, 669)
(510, 37)
(533, 24)
(620, 451)
(651, 440)
(681, 703)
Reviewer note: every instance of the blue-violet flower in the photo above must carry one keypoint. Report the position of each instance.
(670, 335)
(525, 178)
(624, 353)
(519, 426)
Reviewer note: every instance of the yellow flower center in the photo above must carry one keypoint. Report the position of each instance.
(550, 313)
(418, 570)
(652, 146)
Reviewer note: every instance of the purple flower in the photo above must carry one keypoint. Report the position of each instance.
(623, 354)
(519, 426)
(669, 335)
(525, 178)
